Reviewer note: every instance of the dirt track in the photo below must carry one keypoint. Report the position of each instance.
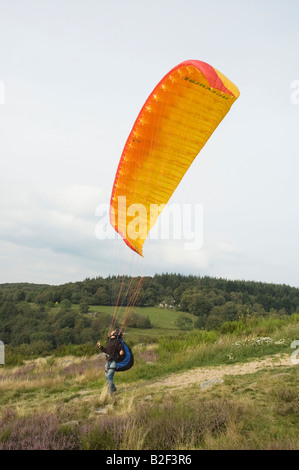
(201, 375)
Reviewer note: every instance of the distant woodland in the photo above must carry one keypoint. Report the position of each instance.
(44, 316)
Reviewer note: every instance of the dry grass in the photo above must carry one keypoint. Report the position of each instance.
(253, 406)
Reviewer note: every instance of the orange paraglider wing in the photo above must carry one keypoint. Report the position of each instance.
(172, 127)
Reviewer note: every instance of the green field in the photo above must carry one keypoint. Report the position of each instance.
(163, 321)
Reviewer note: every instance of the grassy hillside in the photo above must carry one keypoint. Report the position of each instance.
(163, 321)
(165, 401)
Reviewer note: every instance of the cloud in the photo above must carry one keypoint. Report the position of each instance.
(207, 260)
(48, 234)
(43, 219)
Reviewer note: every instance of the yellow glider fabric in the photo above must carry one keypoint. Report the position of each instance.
(172, 127)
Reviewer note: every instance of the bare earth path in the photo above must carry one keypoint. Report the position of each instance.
(216, 373)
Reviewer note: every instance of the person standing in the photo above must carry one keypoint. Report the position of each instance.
(114, 351)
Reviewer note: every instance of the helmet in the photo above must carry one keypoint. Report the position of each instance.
(118, 332)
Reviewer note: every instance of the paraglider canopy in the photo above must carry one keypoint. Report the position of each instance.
(172, 127)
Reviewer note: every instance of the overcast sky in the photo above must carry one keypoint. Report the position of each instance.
(73, 77)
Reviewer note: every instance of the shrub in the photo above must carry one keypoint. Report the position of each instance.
(42, 432)
(139, 321)
(184, 323)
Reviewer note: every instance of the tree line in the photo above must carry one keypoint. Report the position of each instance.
(174, 290)
(41, 315)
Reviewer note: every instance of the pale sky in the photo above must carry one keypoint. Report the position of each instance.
(74, 75)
